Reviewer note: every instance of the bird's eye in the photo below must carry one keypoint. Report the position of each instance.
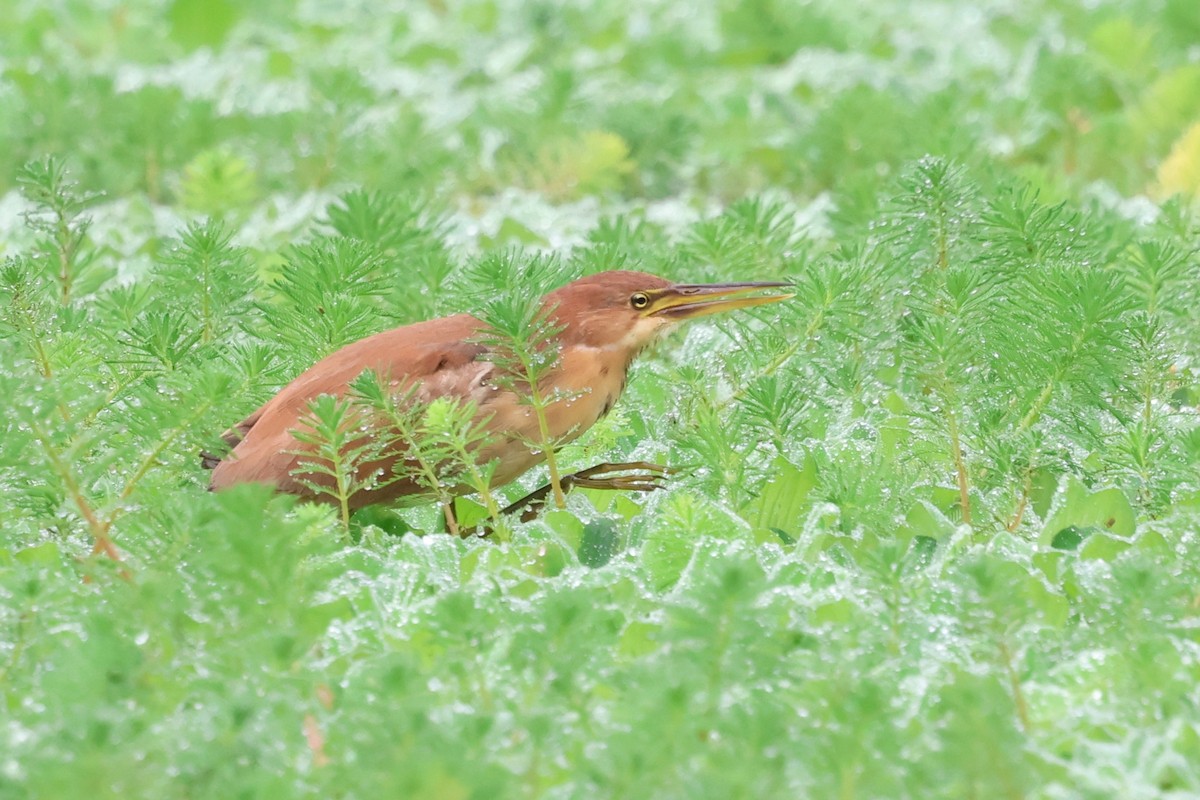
(639, 300)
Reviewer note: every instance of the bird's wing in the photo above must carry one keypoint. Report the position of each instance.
(437, 357)
(231, 437)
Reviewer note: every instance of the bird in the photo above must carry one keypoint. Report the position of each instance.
(602, 321)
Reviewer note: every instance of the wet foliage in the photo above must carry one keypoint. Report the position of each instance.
(935, 527)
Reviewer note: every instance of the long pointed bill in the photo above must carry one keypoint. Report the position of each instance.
(688, 301)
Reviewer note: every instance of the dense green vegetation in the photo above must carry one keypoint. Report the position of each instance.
(935, 528)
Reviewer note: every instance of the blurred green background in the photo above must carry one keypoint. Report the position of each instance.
(935, 533)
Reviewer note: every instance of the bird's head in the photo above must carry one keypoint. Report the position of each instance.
(626, 310)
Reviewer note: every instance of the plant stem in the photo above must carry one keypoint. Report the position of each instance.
(40, 357)
(343, 488)
(538, 401)
(19, 644)
(206, 300)
(1047, 392)
(65, 255)
(451, 521)
(482, 484)
(809, 332)
(960, 467)
(943, 246)
(1022, 504)
(427, 471)
(103, 543)
(1038, 405)
(151, 457)
(1014, 682)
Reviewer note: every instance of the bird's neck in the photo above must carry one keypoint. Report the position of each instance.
(591, 380)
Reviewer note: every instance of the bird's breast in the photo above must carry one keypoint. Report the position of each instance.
(590, 381)
(583, 388)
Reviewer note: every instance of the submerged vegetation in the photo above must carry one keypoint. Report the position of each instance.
(935, 527)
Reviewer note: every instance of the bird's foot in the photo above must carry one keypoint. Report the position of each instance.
(646, 477)
(633, 476)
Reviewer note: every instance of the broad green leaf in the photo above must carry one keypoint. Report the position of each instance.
(218, 181)
(835, 612)
(665, 554)
(783, 500)
(1103, 546)
(1179, 172)
(1123, 43)
(512, 230)
(683, 522)
(44, 554)
(315, 619)
(544, 558)
(568, 526)
(1070, 537)
(639, 639)
(202, 23)
(1075, 507)
(926, 520)
(601, 541)
(1169, 103)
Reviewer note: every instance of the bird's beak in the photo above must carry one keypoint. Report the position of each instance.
(690, 300)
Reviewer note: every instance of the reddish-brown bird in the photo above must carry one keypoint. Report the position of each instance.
(605, 319)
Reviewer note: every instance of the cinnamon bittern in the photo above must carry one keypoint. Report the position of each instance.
(604, 321)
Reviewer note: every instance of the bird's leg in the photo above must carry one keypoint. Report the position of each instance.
(646, 478)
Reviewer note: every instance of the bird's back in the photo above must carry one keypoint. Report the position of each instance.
(439, 358)
(436, 355)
